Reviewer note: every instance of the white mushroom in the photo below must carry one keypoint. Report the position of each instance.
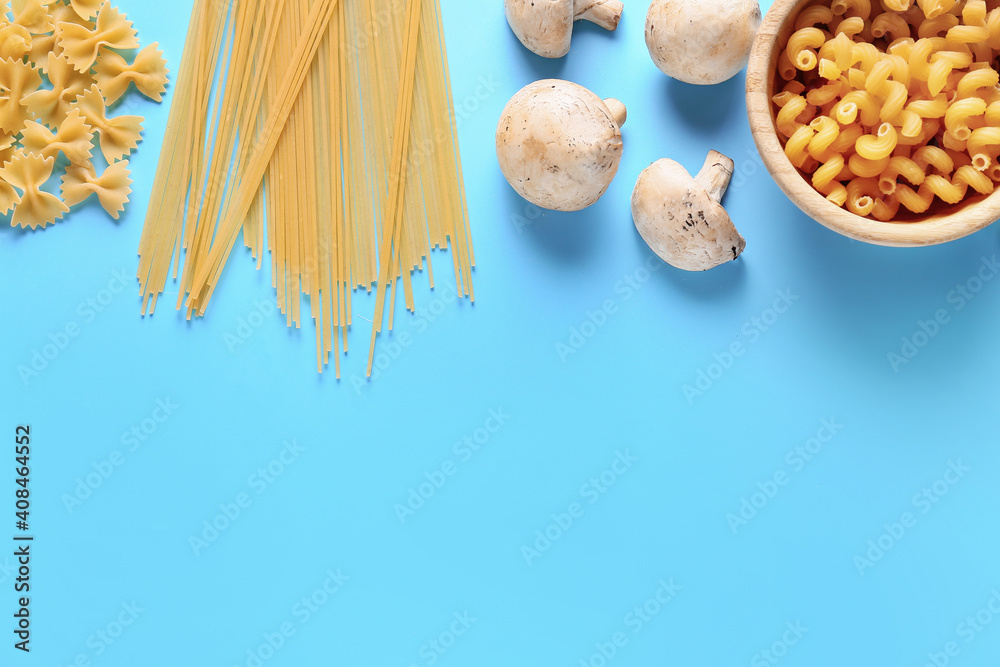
(682, 219)
(546, 26)
(702, 41)
(559, 145)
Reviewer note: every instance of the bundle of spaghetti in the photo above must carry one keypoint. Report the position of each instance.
(325, 131)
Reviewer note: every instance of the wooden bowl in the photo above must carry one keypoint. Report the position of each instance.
(941, 224)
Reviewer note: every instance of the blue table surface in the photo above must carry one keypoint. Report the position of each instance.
(605, 461)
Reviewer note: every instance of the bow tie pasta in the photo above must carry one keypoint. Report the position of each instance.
(63, 63)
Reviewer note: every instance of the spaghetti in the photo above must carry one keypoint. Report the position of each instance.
(325, 127)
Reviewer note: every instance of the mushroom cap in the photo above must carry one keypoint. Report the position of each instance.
(702, 41)
(558, 145)
(543, 26)
(680, 222)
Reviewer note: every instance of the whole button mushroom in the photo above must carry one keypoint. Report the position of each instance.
(682, 219)
(546, 26)
(559, 145)
(702, 41)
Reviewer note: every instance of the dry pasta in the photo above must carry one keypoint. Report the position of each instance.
(54, 101)
(323, 131)
(892, 105)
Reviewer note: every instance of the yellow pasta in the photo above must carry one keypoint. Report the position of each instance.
(74, 139)
(813, 16)
(935, 26)
(885, 208)
(956, 119)
(975, 179)
(900, 108)
(983, 146)
(826, 131)
(900, 166)
(945, 190)
(827, 173)
(935, 8)
(861, 193)
(802, 47)
(797, 144)
(851, 26)
(112, 187)
(890, 25)
(119, 136)
(879, 145)
(863, 167)
(331, 144)
(793, 107)
(859, 8)
(972, 81)
(825, 94)
(33, 207)
(148, 72)
(855, 104)
(915, 202)
(81, 44)
(974, 13)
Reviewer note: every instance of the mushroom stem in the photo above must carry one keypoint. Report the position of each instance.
(605, 13)
(618, 111)
(716, 175)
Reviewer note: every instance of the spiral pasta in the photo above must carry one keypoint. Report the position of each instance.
(894, 105)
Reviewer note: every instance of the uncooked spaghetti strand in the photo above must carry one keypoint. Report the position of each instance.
(392, 224)
(317, 22)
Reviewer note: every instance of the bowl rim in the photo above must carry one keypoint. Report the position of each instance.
(973, 216)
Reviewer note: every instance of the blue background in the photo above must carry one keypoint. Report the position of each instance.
(364, 447)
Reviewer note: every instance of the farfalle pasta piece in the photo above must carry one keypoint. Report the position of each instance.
(74, 139)
(17, 79)
(148, 72)
(8, 195)
(33, 15)
(112, 188)
(120, 135)
(8, 147)
(15, 41)
(68, 14)
(51, 105)
(34, 208)
(45, 44)
(85, 9)
(82, 44)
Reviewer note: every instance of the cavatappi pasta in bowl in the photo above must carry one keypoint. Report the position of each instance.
(881, 118)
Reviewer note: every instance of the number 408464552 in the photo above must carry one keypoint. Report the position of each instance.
(23, 470)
